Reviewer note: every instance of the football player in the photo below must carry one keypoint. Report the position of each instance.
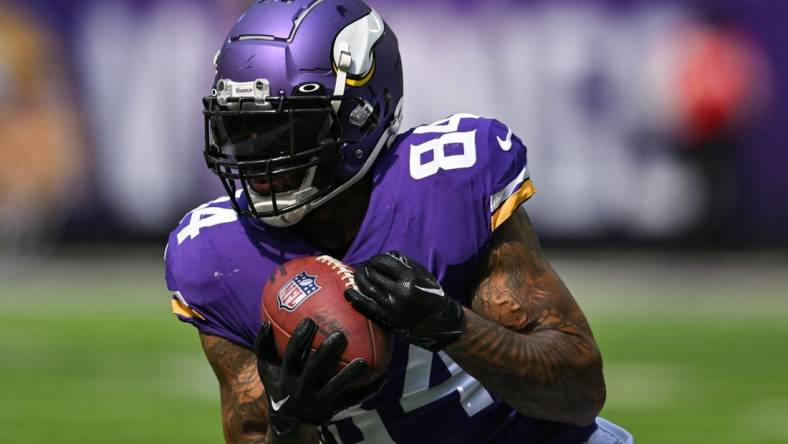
(302, 129)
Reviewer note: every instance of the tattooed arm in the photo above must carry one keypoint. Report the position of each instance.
(526, 338)
(244, 406)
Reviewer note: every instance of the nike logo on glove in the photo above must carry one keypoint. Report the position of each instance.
(438, 291)
(278, 405)
(506, 145)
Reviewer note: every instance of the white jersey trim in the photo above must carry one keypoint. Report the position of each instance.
(500, 197)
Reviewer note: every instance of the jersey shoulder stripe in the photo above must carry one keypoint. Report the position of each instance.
(513, 185)
(512, 203)
(181, 308)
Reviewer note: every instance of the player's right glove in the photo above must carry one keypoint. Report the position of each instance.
(298, 387)
(404, 297)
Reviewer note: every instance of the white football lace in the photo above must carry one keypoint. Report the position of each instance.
(342, 270)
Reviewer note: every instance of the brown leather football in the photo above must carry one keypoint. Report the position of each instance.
(313, 287)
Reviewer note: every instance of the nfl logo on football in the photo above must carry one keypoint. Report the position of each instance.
(296, 291)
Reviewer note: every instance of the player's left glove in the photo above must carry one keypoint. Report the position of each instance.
(402, 296)
(297, 386)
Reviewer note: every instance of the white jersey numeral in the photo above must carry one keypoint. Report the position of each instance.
(206, 216)
(464, 142)
(417, 393)
(368, 423)
(452, 151)
(450, 125)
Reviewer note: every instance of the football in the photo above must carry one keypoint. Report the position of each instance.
(313, 287)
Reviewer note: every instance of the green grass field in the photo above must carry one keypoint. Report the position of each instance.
(696, 350)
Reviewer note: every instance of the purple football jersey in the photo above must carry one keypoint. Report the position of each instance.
(439, 193)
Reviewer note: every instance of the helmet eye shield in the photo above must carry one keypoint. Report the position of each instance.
(254, 133)
(273, 150)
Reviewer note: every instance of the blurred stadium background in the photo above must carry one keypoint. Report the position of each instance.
(658, 137)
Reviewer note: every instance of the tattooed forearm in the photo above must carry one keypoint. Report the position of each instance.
(543, 375)
(243, 400)
(527, 339)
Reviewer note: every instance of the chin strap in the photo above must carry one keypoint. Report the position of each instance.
(343, 66)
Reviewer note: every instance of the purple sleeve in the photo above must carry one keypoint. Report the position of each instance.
(440, 194)
(483, 156)
(511, 182)
(208, 290)
(197, 299)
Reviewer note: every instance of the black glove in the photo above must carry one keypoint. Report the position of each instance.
(402, 296)
(298, 386)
